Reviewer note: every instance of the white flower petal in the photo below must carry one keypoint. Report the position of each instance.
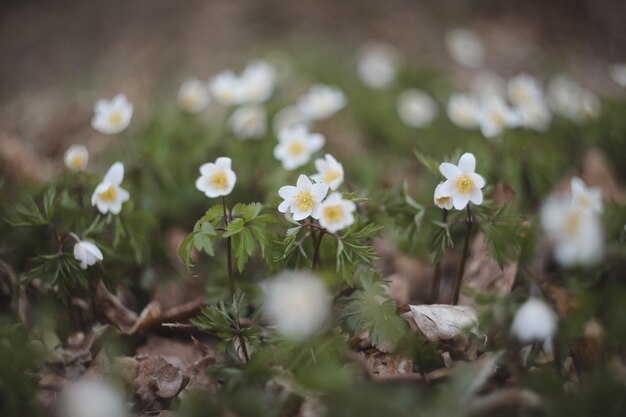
(467, 163)
(115, 174)
(450, 171)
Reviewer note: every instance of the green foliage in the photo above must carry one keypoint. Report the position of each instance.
(354, 251)
(370, 308)
(503, 230)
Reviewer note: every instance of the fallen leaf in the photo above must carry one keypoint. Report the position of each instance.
(441, 321)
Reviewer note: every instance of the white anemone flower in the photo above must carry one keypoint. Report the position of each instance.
(462, 183)
(257, 82)
(535, 321)
(442, 201)
(109, 195)
(303, 200)
(296, 145)
(76, 158)
(495, 116)
(463, 111)
(226, 88)
(618, 73)
(193, 95)
(574, 226)
(112, 116)
(216, 178)
(377, 64)
(416, 108)
(568, 99)
(90, 397)
(87, 253)
(329, 172)
(465, 47)
(297, 303)
(249, 122)
(321, 102)
(588, 199)
(524, 90)
(535, 115)
(336, 213)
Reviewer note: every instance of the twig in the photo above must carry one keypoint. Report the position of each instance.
(229, 255)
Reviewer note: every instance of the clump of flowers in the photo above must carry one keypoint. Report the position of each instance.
(463, 110)
(568, 99)
(296, 303)
(254, 85)
(109, 195)
(112, 116)
(495, 116)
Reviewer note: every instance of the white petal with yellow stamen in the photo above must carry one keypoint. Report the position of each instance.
(216, 178)
(329, 172)
(462, 183)
(336, 213)
(109, 195)
(296, 145)
(112, 116)
(304, 199)
(76, 158)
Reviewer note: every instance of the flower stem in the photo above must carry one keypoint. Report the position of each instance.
(459, 277)
(229, 254)
(316, 254)
(436, 283)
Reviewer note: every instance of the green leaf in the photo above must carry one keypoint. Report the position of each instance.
(234, 227)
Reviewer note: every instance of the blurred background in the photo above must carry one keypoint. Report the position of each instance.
(59, 56)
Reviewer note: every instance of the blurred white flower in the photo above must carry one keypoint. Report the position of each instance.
(296, 303)
(465, 47)
(523, 90)
(89, 397)
(287, 117)
(588, 199)
(321, 102)
(108, 195)
(535, 321)
(336, 213)
(304, 199)
(463, 111)
(216, 178)
(488, 84)
(570, 100)
(495, 116)
(462, 183)
(112, 116)
(526, 94)
(296, 145)
(442, 201)
(416, 108)
(87, 253)
(257, 82)
(574, 226)
(377, 64)
(225, 88)
(193, 95)
(329, 172)
(249, 122)
(618, 73)
(76, 158)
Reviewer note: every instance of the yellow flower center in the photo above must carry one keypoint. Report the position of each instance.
(331, 175)
(332, 214)
(497, 118)
(218, 180)
(570, 226)
(189, 100)
(296, 148)
(304, 201)
(463, 183)
(115, 118)
(77, 162)
(109, 194)
(443, 200)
